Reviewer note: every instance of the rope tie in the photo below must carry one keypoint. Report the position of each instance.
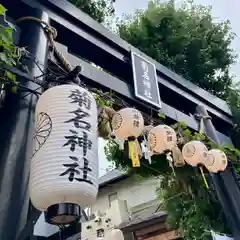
(201, 119)
(51, 33)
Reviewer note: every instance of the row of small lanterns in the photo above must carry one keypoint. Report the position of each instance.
(128, 124)
(64, 167)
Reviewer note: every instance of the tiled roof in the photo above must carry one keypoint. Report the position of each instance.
(112, 176)
(136, 221)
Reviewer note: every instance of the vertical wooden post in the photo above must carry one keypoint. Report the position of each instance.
(16, 128)
(225, 183)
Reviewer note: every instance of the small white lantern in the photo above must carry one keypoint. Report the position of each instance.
(162, 138)
(216, 161)
(128, 122)
(115, 234)
(64, 166)
(194, 153)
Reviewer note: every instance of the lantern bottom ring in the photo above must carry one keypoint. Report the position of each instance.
(63, 214)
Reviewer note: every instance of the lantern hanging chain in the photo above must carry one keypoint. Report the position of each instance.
(51, 33)
(201, 119)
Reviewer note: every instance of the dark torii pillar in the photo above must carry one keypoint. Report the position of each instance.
(16, 132)
(225, 182)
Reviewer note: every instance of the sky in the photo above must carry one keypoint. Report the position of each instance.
(221, 10)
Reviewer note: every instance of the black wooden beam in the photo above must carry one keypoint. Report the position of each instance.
(95, 77)
(75, 20)
(82, 20)
(94, 42)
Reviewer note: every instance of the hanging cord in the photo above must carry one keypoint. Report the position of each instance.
(201, 130)
(51, 33)
(61, 234)
(201, 119)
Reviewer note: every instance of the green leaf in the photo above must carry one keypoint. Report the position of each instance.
(182, 125)
(228, 146)
(11, 76)
(162, 115)
(3, 57)
(2, 10)
(11, 62)
(6, 34)
(187, 132)
(14, 89)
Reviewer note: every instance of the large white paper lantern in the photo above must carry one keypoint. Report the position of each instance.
(162, 138)
(115, 234)
(64, 166)
(194, 153)
(127, 122)
(216, 161)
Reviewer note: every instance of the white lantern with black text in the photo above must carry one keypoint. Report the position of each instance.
(115, 234)
(127, 122)
(194, 153)
(216, 161)
(162, 138)
(64, 166)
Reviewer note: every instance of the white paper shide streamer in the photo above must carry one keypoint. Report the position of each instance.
(64, 167)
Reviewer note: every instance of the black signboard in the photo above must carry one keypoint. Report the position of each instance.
(145, 80)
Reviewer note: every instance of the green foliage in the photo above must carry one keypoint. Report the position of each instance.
(191, 206)
(103, 99)
(2, 10)
(184, 39)
(9, 53)
(97, 9)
